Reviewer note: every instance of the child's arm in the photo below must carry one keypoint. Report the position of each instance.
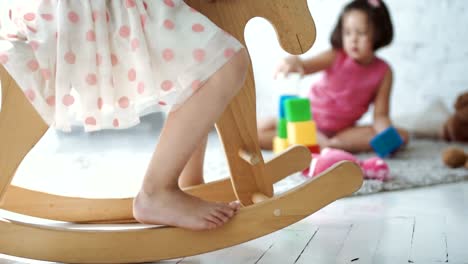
(382, 103)
(307, 66)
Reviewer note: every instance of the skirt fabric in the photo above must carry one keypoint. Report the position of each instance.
(102, 64)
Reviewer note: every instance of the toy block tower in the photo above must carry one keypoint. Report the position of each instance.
(295, 125)
(300, 125)
(280, 142)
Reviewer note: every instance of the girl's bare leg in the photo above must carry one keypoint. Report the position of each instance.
(160, 200)
(193, 170)
(356, 139)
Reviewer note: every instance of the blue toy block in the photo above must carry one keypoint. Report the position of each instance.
(386, 142)
(283, 98)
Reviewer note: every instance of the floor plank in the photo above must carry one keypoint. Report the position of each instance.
(325, 244)
(429, 240)
(395, 243)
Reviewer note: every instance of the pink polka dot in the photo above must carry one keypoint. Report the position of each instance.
(124, 31)
(47, 17)
(167, 85)
(199, 55)
(33, 65)
(196, 85)
(130, 3)
(70, 57)
(115, 122)
(114, 59)
(169, 3)
(34, 45)
(124, 102)
(30, 94)
(90, 121)
(95, 16)
(46, 74)
(9, 14)
(3, 58)
(193, 10)
(98, 59)
(29, 16)
(68, 100)
(135, 44)
(169, 24)
(50, 100)
(162, 103)
(91, 79)
(132, 75)
(228, 53)
(32, 29)
(90, 35)
(198, 28)
(100, 103)
(141, 87)
(145, 5)
(143, 20)
(73, 17)
(168, 54)
(107, 17)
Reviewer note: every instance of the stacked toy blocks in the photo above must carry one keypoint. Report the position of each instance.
(295, 125)
(386, 142)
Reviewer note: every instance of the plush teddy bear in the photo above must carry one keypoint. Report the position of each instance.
(456, 127)
(455, 157)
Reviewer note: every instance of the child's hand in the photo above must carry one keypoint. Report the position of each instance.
(289, 65)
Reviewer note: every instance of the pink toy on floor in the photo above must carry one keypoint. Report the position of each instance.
(373, 168)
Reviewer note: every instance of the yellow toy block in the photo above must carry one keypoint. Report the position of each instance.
(280, 144)
(304, 133)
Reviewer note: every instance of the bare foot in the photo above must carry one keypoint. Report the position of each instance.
(176, 208)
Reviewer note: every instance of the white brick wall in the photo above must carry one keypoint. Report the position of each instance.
(429, 54)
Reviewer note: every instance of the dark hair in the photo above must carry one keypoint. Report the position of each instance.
(378, 16)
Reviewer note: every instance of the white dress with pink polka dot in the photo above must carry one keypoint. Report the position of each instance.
(104, 63)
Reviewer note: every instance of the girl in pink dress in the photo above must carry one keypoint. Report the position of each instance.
(354, 78)
(101, 64)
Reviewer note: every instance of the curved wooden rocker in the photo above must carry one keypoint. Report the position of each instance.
(251, 180)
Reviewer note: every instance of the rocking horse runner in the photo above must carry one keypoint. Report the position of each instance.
(251, 178)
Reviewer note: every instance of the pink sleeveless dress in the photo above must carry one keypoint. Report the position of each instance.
(102, 64)
(344, 92)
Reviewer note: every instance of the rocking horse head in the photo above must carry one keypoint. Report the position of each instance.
(291, 19)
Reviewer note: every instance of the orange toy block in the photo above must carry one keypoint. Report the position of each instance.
(304, 133)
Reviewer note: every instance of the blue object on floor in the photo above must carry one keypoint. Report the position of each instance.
(386, 142)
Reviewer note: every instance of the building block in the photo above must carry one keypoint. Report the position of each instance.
(281, 128)
(282, 100)
(297, 110)
(279, 144)
(386, 142)
(304, 133)
(314, 149)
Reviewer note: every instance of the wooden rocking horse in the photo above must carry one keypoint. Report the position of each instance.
(251, 180)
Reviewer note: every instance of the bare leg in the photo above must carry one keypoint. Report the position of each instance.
(160, 200)
(356, 139)
(267, 132)
(193, 172)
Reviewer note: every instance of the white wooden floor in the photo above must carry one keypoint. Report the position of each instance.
(426, 225)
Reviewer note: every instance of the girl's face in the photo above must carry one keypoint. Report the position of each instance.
(357, 36)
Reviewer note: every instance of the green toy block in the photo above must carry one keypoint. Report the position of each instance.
(297, 110)
(281, 128)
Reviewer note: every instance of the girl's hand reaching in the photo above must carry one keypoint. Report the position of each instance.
(289, 65)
